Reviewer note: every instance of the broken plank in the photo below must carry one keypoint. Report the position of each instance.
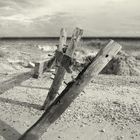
(59, 74)
(73, 89)
(41, 67)
(38, 70)
(61, 70)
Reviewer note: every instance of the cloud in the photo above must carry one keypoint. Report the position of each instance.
(36, 8)
(46, 17)
(18, 18)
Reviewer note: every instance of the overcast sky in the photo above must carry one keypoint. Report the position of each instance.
(46, 17)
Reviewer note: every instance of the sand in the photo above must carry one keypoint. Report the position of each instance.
(108, 108)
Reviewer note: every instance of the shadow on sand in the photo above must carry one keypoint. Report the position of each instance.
(33, 87)
(15, 81)
(8, 132)
(25, 104)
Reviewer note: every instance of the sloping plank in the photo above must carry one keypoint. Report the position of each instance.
(71, 92)
(61, 70)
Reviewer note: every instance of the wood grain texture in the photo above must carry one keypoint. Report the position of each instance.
(38, 70)
(59, 74)
(41, 67)
(61, 70)
(71, 92)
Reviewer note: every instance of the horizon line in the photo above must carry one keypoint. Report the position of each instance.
(56, 37)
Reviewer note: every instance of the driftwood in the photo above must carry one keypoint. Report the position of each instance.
(41, 67)
(48, 64)
(59, 77)
(21, 77)
(71, 92)
(61, 70)
(38, 70)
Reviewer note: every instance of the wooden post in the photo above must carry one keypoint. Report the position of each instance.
(40, 67)
(48, 64)
(62, 43)
(62, 40)
(71, 92)
(61, 70)
(38, 70)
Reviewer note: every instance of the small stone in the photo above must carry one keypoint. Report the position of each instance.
(49, 54)
(52, 77)
(122, 127)
(120, 137)
(81, 125)
(4, 129)
(31, 65)
(138, 119)
(116, 102)
(102, 130)
(132, 137)
(52, 70)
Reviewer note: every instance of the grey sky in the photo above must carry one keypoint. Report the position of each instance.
(46, 17)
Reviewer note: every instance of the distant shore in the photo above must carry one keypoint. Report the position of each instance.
(84, 38)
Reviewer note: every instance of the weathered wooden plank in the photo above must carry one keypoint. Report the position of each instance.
(41, 67)
(62, 40)
(38, 70)
(71, 92)
(59, 77)
(48, 64)
(74, 41)
(61, 70)
(62, 43)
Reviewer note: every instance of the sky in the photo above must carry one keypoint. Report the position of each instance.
(47, 17)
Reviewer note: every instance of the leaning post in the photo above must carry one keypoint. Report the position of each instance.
(72, 90)
(61, 70)
(40, 67)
